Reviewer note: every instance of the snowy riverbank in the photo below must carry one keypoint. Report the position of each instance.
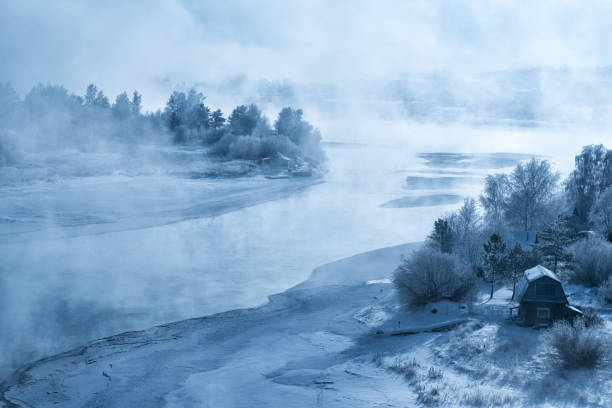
(272, 355)
(317, 344)
(83, 258)
(116, 203)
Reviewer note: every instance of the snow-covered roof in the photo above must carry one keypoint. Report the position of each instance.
(538, 272)
(531, 275)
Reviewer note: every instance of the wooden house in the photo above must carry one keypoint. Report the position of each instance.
(542, 299)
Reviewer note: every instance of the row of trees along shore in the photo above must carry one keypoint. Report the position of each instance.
(54, 117)
(521, 219)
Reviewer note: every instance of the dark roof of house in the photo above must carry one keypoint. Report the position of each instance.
(533, 274)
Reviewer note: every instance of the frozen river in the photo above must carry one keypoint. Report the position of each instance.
(142, 251)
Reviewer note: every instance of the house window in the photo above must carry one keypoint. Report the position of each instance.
(545, 289)
(543, 313)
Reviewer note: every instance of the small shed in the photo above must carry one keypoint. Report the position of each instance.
(542, 299)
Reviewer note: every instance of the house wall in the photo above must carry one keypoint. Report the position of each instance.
(528, 312)
(558, 295)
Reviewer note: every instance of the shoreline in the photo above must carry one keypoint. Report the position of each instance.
(271, 190)
(333, 340)
(326, 282)
(250, 192)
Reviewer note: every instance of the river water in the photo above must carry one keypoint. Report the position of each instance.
(59, 292)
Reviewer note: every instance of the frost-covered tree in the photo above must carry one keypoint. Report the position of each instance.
(200, 118)
(196, 113)
(591, 176)
(95, 98)
(466, 224)
(121, 109)
(600, 215)
(243, 119)
(467, 217)
(429, 275)
(83, 121)
(494, 199)
(101, 101)
(186, 115)
(136, 104)
(90, 95)
(216, 119)
(291, 124)
(532, 185)
(49, 99)
(592, 262)
(175, 113)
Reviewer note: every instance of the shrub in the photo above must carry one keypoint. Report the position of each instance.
(429, 275)
(592, 262)
(252, 147)
(406, 368)
(435, 373)
(576, 345)
(250, 137)
(486, 398)
(272, 144)
(245, 147)
(377, 359)
(430, 396)
(605, 291)
(591, 318)
(222, 146)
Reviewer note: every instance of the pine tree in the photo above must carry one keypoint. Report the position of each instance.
(216, 119)
(494, 258)
(90, 95)
(121, 107)
(517, 262)
(101, 100)
(552, 243)
(136, 104)
(442, 237)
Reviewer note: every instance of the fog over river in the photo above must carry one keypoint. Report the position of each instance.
(143, 250)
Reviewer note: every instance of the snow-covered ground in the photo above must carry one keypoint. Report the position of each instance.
(326, 342)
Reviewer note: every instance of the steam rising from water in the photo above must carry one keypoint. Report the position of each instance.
(60, 292)
(384, 81)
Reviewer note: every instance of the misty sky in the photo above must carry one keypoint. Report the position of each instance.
(154, 45)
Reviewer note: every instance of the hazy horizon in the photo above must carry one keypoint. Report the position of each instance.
(171, 44)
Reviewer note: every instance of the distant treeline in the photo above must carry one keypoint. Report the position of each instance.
(50, 117)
